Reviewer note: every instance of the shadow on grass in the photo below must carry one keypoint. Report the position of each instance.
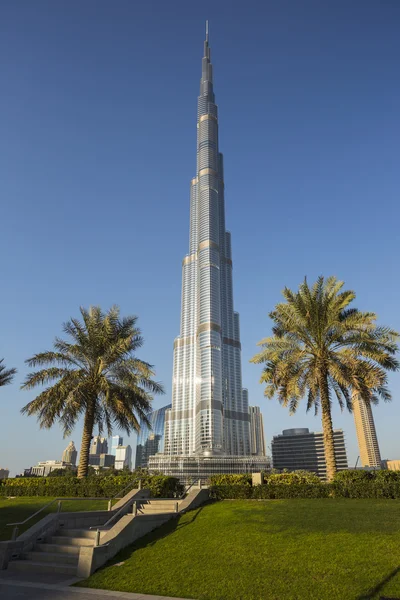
(153, 537)
(373, 593)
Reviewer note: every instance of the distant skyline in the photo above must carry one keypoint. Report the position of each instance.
(97, 149)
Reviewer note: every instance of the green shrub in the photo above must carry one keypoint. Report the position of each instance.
(230, 479)
(301, 484)
(161, 486)
(231, 492)
(292, 478)
(272, 491)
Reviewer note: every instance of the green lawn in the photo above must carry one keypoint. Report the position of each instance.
(18, 509)
(263, 550)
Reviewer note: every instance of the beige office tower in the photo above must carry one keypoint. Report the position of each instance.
(370, 455)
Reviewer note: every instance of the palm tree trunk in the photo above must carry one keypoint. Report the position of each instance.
(327, 429)
(86, 439)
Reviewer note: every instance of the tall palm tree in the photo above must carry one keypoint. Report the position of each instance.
(95, 375)
(6, 375)
(320, 348)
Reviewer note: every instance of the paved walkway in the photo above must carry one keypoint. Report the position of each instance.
(36, 589)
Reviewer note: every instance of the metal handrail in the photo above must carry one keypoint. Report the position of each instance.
(114, 516)
(60, 501)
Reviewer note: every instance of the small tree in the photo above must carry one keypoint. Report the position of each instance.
(96, 375)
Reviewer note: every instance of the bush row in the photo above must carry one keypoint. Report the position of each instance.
(273, 491)
(347, 484)
(161, 486)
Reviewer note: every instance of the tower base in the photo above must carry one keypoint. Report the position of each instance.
(188, 468)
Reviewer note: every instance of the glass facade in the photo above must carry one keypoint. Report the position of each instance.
(189, 468)
(151, 441)
(209, 414)
(116, 441)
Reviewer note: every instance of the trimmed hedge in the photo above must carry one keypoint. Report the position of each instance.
(95, 486)
(347, 484)
(273, 491)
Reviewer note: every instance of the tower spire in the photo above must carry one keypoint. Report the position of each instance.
(207, 30)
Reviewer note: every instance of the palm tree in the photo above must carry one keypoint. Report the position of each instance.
(95, 375)
(320, 348)
(6, 375)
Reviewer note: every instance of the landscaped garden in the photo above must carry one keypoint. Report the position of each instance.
(342, 549)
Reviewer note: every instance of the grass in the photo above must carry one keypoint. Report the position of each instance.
(17, 509)
(334, 549)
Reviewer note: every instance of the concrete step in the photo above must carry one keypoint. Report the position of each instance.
(52, 557)
(77, 533)
(57, 548)
(64, 540)
(160, 503)
(40, 567)
(156, 510)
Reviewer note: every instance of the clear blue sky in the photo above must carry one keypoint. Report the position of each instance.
(97, 149)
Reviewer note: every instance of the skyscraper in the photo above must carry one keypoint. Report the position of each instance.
(370, 455)
(151, 441)
(209, 415)
(257, 439)
(70, 454)
(301, 449)
(99, 445)
(116, 441)
(123, 457)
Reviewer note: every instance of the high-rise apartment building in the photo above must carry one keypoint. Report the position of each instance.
(209, 418)
(151, 440)
(257, 439)
(116, 441)
(99, 445)
(123, 458)
(301, 449)
(370, 455)
(70, 454)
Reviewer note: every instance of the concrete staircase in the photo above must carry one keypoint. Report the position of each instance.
(59, 552)
(77, 544)
(154, 507)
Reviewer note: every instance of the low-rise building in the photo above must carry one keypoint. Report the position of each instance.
(102, 460)
(45, 467)
(392, 465)
(301, 449)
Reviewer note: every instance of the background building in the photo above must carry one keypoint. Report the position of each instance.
(4, 473)
(209, 418)
(297, 449)
(99, 445)
(257, 439)
(123, 458)
(45, 467)
(70, 454)
(392, 465)
(370, 455)
(116, 441)
(102, 460)
(151, 441)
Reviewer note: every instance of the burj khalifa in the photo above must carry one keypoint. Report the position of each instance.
(207, 429)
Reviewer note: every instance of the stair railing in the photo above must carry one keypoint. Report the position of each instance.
(59, 501)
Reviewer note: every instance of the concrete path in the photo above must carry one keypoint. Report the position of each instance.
(36, 589)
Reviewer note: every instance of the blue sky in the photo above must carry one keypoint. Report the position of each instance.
(97, 149)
